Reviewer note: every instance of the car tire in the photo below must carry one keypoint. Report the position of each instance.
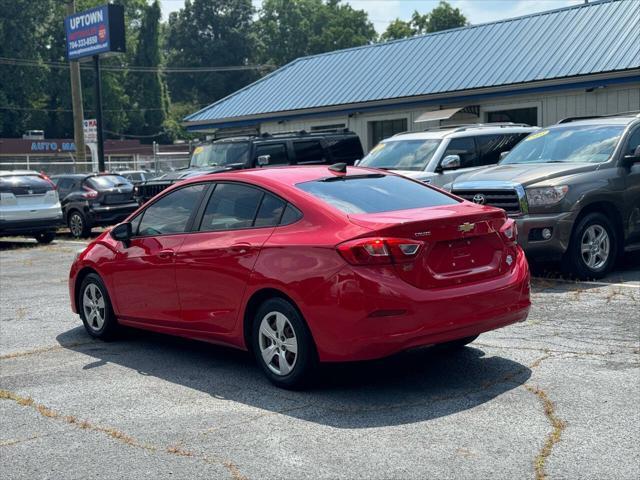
(78, 225)
(45, 237)
(283, 345)
(593, 248)
(95, 309)
(457, 344)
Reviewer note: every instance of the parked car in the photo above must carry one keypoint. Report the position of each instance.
(266, 150)
(136, 176)
(305, 264)
(90, 199)
(29, 205)
(439, 155)
(574, 190)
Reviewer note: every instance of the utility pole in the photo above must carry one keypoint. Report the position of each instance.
(98, 102)
(76, 101)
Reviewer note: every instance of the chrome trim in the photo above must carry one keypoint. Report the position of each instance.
(485, 185)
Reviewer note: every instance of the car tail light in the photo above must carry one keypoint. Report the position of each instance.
(47, 179)
(379, 250)
(89, 193)
(509, 231)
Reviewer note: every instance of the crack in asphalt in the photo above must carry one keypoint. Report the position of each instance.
(633, 351)
(113, 433)
(35, 351)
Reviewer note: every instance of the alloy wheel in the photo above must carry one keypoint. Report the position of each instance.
(76, 225)
(93, 305)
(595, 247)
(278, 343)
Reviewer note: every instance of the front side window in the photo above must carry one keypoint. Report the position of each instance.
(465, 148)
(222, 154)
(171, 213)
(491, 146)
(375, 193)
(570, 143)
(401, 155)
(308, 151)
(277, 153)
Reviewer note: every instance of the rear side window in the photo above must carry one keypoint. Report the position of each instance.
(269, 212)
(231, 206)
(491, 146)
(308, 151)
(107, 181)
(24, 184)
(276, 151)
(346, 149)
(375, 193)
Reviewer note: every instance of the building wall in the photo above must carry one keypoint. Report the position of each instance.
(551, 107)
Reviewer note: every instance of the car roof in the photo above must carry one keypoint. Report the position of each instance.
(462, 131)
(617, 120)
(6, 173)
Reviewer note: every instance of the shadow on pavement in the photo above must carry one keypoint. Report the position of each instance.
(410, 387)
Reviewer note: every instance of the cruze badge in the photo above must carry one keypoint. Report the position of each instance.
(466, 227)
(422, 234)
(479, 199)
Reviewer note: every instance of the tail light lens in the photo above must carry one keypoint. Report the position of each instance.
(509, 231)
(47, 179)
(379, 250)
(89, 193)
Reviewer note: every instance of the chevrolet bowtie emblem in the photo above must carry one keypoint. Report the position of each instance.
(466, 227)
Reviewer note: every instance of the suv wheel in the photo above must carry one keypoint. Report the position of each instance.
(78, 225)
(282, 344)
(593, 248)
(95, 308)
(45, 237)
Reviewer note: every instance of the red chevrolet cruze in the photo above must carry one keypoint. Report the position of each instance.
(305, 264)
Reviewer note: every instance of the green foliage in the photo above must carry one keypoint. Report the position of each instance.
(288, 29)
(442, 17)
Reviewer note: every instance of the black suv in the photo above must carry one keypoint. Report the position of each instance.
(90, 199)
(266, 150)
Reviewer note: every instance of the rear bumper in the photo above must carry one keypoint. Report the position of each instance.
(108, 215)
(393, 316)
(30, 227)
(529, 226)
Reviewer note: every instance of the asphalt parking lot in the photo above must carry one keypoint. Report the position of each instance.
(555, 396)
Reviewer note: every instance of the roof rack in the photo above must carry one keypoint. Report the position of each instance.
(305, 133)
(466, 126)
(631, 113)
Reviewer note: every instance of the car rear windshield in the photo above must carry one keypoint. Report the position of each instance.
(571, 143)
(220, 154)
(375, 193)
(401, 155)
(24, 184)
(107, 181)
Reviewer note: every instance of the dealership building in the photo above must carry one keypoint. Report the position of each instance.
(536, 69)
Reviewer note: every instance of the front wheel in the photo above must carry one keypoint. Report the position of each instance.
(593, 248)
(282, 344)
(45, 237)
(95, 308)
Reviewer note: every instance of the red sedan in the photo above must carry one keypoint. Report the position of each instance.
(304, 265)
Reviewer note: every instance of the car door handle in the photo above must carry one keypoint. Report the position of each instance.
(241, 247)
(166, 254)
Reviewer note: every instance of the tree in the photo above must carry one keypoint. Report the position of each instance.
(148, 92)
(209, 33)
(442, 17)
(288, 29)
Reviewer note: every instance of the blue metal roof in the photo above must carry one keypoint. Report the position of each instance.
(585, 39)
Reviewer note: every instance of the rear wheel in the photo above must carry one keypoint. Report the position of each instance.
(95, 308)
(78, 225)
(282, 344)
(593, 248)
(45, 237)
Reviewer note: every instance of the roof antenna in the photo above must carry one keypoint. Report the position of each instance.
(338, 168)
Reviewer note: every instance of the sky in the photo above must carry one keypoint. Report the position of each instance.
(382, 12)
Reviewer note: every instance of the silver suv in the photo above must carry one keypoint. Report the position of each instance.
(29, 205)
(439, 155)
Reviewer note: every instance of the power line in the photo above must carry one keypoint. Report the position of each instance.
(23, 62)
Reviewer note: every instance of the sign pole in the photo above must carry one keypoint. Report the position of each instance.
(98, 103)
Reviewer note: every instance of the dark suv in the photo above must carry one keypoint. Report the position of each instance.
(266, 150)
(574, 190)
(93, 200)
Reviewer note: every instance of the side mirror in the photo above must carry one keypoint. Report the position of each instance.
(503, 154)
(450, 162)
(263, 160)
(122, 232)
(632, 158)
